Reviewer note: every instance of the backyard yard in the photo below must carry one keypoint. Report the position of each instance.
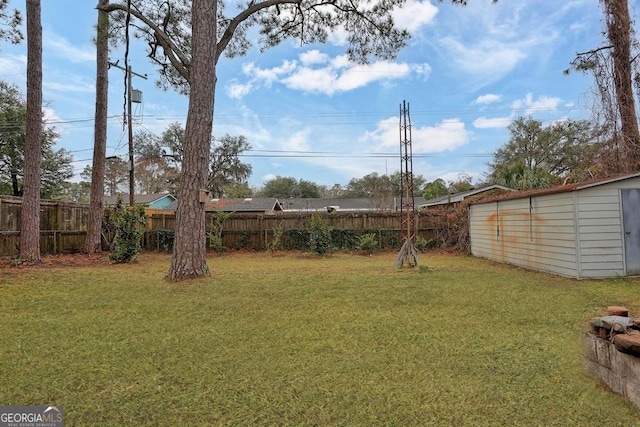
(303, 340)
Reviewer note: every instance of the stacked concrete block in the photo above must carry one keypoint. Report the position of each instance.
(604, 360)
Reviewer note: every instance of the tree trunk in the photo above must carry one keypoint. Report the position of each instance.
(30, 227)
(189, 248)
(93, 241)
(619, 34)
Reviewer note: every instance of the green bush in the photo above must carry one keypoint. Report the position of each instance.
(276, 241)
(344, 239)
(297, 239)
(129, 227)
(319, 234)
(423, 244)
(368, 243)
(164, 239)
(214, 232)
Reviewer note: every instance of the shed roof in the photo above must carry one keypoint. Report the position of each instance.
(559, 189)
(459, 197)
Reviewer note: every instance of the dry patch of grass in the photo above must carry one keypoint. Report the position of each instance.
(303, 340)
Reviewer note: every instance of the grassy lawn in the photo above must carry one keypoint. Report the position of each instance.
(298, 340)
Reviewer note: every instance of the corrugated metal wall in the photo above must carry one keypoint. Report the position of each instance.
(575, 233)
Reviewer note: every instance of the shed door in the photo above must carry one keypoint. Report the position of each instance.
(631, 223)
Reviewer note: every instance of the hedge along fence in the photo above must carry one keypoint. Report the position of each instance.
(258, 231)
(63, 228)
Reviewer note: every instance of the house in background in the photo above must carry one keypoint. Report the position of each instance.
(583, 230)
(259, 205)
(456, 198)
(362, 204)
(153, 201)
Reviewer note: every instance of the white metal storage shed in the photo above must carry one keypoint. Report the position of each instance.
(584, 230)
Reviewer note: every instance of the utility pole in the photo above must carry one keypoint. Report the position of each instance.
(129, 73)
(408, 252)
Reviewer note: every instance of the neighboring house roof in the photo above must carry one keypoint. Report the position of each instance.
(249, 204)
(459, 197)
(559, 189)
(343, 204)
(143, 199)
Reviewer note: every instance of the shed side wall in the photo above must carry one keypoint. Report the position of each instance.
(536, 233)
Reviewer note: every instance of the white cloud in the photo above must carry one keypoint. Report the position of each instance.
(62, 47)
(268, 177)
(414, 14)
(238, 90)
(488, 60)
(338, 37)
(13, 65)
(492, 123)
(531, 106)
(316, 72)
(447, 135)
(312, 57)
(268, 75)
(298, 141)
(69, 87)
(489, 98)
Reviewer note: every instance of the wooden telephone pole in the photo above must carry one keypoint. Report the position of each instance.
(129, 119)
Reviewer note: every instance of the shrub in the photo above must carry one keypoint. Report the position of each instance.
(214, 232)
(164, 239)
(129, 227)
(276, 242)
(368, 243)
(319, 234)
(423, 244)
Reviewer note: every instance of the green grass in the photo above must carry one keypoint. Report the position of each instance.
(299, 340)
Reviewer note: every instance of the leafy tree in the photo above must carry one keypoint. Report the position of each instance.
(538, 157)
(462, 184)
(418, 182)
(225, 167)
(116, 175)
(54, 170)
(77, 191)
(155, 171)
(237, 190)
(187, 56)
(435, 189)
(287, 187)
(10, 21)
(371, 186)
(158, 162)
(55, 173)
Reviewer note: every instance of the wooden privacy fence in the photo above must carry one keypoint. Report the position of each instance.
(257, 231)
(63, 228)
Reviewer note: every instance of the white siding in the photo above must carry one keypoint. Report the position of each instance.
(575, 233)
(538, 234)
(600, 232)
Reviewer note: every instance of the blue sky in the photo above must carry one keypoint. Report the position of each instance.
(311, 114)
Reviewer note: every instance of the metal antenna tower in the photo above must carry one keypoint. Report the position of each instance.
(408, 253)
